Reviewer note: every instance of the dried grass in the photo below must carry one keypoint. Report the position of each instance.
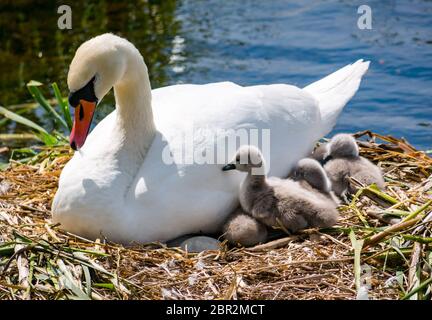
(40, 261)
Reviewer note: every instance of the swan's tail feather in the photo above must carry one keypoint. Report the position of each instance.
(335, 90)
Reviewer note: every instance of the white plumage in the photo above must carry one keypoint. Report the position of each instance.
(117, 184)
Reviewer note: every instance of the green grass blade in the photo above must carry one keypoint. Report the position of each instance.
(37, 95)
(42, 134)
(47, 139)
(417, 289)
(20, 119)
(5, 121)
(424, 240)
(22, 152)
(63, 105)
(7, 249)
(105, 286)
(395, 213)
(376, 191)
(418, 211)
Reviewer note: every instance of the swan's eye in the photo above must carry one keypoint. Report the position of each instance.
(86, 93)
(81, 112)
(238, 159)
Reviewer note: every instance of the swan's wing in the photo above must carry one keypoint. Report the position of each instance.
(335, 90)
(287, 114)
(204, 104)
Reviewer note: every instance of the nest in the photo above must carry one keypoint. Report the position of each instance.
(380, 249)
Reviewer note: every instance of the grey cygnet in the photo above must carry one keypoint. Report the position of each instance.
(345, 161)
(279, 201)
(244, 230)
(320, 153)
(312, 176)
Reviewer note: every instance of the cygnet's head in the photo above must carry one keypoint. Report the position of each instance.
(320, 153)
(98, 65)
(312, 172)
(246, 159)
(342, 146)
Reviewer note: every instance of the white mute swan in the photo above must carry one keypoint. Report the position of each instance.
(117, 183)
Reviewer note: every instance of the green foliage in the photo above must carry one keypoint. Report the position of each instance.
(62, 119)
(37, 95)
(63, 105)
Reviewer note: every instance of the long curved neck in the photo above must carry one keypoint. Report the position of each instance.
(249, 187)
(255, 180)
(135, 128)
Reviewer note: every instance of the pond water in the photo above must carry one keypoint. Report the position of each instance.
(248, 42)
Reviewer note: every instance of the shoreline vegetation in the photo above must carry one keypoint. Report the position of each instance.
(380, 249)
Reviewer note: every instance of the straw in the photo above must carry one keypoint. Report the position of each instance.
(38, 260)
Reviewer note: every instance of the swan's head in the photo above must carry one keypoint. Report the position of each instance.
(342, 146)
(246, 159)
(98, 65)
(310, 170)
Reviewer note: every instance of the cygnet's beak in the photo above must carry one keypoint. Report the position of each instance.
(326, 159)
(229, 166)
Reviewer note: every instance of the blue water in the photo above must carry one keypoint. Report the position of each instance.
(245, 41)
(279, 41)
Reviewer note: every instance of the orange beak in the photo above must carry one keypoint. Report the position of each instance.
(82, 120)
